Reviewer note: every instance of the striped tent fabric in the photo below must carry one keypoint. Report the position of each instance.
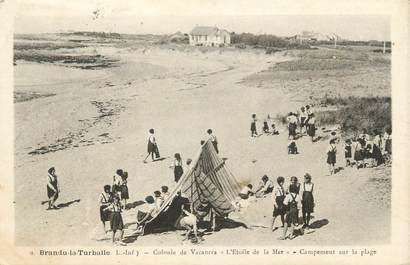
(208, 180)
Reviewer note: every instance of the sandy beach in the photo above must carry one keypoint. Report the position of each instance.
(94, 121)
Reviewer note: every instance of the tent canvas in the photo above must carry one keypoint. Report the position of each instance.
(207, 180)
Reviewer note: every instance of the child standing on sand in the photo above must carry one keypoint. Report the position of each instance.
(53, 189)
(331, 156)
(152, 147)
(116, 219)
(278, 206)
(348, 152)
(105, 201)
(307, 200)
(213, 139)
(311, 128)
(124, 189)
(292, 203)
(302, 120)
(177, 165)
(254, 133)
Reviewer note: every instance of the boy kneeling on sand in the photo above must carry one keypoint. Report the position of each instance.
(189, 223)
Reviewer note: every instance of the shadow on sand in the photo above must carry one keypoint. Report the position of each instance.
(67, 204)
(319, 223)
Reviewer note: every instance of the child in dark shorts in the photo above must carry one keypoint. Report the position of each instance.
(279, 196)
(116, 219)
(292, 204)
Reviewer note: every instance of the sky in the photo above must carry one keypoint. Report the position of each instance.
(356, 20)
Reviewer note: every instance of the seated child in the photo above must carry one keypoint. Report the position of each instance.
(246, 192)
(292, 148)
(146, 211)
(274, 131)
(158, 199)
(165, 193)
(265, 187)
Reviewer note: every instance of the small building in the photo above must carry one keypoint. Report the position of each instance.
(209, 36)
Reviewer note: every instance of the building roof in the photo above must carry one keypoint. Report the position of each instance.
(202, 30)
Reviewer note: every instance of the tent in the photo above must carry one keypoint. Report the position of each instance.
(207, 180)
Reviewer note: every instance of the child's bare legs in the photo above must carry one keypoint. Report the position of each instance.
(103, 225)
(285, 230)
(273, 223)
(121, 234)
(113, 236)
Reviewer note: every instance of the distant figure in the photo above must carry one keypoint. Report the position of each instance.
(377, 148)
(53, 189)
(213, 139)
(292, 124)
(116, 219)
(311, 127)
(254, 133)
(265, 187)
(105, 201)
(266, 125)
(279, 207)
(309, 110)
(152, 147)
(348, 152)
(189, 223)
(177, 166)
(292, 147)
(124, 189)
(292, 201)
(357, 153)
(307, 200)
(302, 120)
(331, 156)
(388, 141)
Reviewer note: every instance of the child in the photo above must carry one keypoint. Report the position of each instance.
(158, 200)
(214, 141)
(388, 141)
(165, 194)
(307, 200)
(145, 212)
(152, 147)
(348, 152)
(311, 128)
(189, 222)
(295, 183)
(105, 201)
(124, 189)
(53, 189)
(246, 192)
(116, 182)
(292, 124)
(302, 119)
(292, 203)
(274, 131)
(292, 148)
(278, 207)
(331, 156)
(358, 153)
(116, 219)
(265, 187)
(254, 133)
(177, 165)
(265, 125)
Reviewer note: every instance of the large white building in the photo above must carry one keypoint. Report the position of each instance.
(209, 36)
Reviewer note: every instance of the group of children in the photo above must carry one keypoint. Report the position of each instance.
(362, 151)
(305, 120)
(268, 127)
(287, 202)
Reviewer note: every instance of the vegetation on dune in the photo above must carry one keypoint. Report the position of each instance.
(353, 113)
(46, 45)
(265, 41)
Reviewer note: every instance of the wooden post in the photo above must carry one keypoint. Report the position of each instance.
(384, 47)
(335, 41)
